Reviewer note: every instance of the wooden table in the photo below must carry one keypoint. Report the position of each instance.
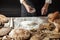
(12, 24)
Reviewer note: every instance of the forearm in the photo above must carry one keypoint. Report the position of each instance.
(45, 7)
(23, 2)
(47, 3)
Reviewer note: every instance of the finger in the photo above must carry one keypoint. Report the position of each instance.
(45, 12)
(32, 11)
(42, 11)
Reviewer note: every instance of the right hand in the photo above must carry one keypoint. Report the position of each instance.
(30, 9)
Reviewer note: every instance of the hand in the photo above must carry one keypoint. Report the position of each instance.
(30, 9)
(44, 10)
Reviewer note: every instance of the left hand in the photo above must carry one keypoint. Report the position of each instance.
(44, 10)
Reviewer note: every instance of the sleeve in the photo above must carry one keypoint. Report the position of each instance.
(21, 1)
(48, 1)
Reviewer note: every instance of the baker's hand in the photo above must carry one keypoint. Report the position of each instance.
(30, 9)
(44, 10)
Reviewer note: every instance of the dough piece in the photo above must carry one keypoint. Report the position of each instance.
(38, 36)
(57, 24)
(53, 16)
(19, 34)
(4, 31)
(3, 18)
(6, 38)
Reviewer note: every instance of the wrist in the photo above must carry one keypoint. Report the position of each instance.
(46, 5)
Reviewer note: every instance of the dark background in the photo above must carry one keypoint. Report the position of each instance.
(12, 7)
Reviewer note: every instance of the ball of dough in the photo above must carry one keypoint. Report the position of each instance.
(19, 34)
(3, 18)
